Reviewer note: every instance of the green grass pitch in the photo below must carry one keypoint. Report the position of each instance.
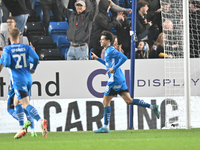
(174, 139)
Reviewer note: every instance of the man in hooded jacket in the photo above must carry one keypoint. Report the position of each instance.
(102, 23)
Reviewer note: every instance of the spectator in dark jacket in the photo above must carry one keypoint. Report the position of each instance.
(101, 23)
(154, 13)
(144, 30)
(123, 34)
(78, 33)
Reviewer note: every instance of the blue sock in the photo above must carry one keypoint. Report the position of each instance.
(33, 112)
(12, 113)
(29, 118)
(20, 114)
(140, 103)
(107, 113)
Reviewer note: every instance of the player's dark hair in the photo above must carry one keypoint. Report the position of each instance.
(11, 18)
(108, 36)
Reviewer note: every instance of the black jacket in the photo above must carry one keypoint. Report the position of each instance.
(101, 23)
(79, 24)
(139, 54)
(153, 6)
(141, 27)
(123, 35)
(16, 7)
(155, 51)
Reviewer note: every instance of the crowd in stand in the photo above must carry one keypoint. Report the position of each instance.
(88, 18)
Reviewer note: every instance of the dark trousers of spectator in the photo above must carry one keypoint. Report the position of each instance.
(5, 12)
(46, 8)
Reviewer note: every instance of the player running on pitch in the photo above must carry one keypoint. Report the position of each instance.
(16, 58)
(117, 82)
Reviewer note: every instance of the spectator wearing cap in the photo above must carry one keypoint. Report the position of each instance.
(47, 6)
(78, 33)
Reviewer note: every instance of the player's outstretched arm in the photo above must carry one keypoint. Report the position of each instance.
(95, 57)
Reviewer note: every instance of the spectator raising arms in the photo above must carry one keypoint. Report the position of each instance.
(123, 34)
(101, 23)
(144, 29)
(79, 32)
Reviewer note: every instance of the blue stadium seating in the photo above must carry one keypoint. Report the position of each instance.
(63, 44)
(56, 36)
(63, 51)
(58, 27)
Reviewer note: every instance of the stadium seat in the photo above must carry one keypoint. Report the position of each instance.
(63, 42)
(63, 45)
(4, 27)
(50, 54)
(43, 42)
(56, 36)
(34, 28)
(63, 51)
(58, 27)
